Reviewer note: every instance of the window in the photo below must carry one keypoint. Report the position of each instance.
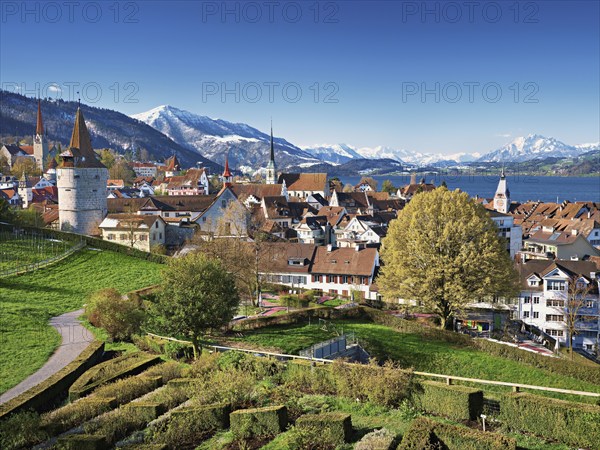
(536, 300)
(330, 278)
(156, 224)
(536, 315)
(160, 235)
(143, 237)
(123, 237)
(223, 203)
(526, 300)
(345, 279)
(555, 303)
(204, 219)
(554, 317)
(525, 314)
(552, 332)
(589, 304)
(556, 285)
(533, 282)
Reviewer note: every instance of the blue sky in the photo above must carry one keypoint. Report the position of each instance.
(426, 76)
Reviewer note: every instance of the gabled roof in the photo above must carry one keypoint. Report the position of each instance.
(344, 261)
(172, 164)
(258, 190)
(193, 203)
(304, 181)
(129, 221)
(334, 214)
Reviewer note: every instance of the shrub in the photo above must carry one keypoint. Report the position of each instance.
(188, 426)
(334, 427)
(120, 317)
(257, 422)
(309, 377)
(386, 385)
(21, 430)
(382, 439)
(176, 350)
(426, 434)
(82, 442)
(454, 402)
(74, 414)
(111, 370)
(576, 424)
(305, 438)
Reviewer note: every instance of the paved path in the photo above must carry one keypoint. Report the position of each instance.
(75, 338)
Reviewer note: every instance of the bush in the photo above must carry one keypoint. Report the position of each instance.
(120, 317)
(385, 385)
(426, 434)
(382, 439)
(73, 414)
(82, 442)
(188, 426)
(21, 430)
(576, 424)
(309, 377)
(176, 350)
(454, 402)
(258, 422)
(111, 370)
(304, 438)
(334, 427)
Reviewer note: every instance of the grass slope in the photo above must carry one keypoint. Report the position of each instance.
(27, 250)
(412, 350)
(28, 301)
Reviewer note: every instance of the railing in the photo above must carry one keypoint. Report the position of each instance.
(516, 387)
(41, 264)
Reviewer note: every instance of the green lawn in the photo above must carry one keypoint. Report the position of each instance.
(412, 350)
(28, 250)
(28, 301)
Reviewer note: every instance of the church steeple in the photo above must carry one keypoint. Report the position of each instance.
(40, 146)
(502, 197)
(227, 178)
(271, 168)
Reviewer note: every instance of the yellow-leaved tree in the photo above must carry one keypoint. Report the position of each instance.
(444, 252)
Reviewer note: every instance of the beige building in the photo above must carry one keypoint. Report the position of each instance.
(134, 230)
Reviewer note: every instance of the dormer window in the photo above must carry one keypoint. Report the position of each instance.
(533, 283)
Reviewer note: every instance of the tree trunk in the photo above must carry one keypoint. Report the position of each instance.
(196, 347)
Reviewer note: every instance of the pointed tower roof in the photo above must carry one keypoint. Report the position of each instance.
(272, 147)
(80, 147)
(39, 129)
(173, 164)
(226, 172)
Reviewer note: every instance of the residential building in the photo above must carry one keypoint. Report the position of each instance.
(407, 192)
(549, 244)
(303, 185)
(194, 182)
(509, 231)
(143, 232)
(144, 169)
(547, 291)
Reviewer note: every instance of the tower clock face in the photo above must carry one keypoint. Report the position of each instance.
(500, 202)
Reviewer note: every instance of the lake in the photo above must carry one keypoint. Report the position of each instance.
(522, 187)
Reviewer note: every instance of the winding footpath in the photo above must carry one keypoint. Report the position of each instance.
(75, 339)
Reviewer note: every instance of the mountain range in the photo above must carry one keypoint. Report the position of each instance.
(197, 139)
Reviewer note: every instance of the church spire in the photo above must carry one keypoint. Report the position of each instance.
(227, 178)
(39, 129)
(271, 168)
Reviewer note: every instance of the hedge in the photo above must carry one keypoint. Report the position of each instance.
(111, 370)
(334, 427)
(248, 423)
(426, 434)
(187, 426)
(43, 396)
(147, 411)
(575, 424)
(454, 402)
(92, 242)
(556, 365)
(295, 317)
(82, 442)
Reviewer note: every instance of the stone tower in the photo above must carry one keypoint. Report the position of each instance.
(40, 145)
(502, 197)
(81, 180)
(271, 168)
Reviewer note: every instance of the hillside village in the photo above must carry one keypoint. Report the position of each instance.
(325, 236)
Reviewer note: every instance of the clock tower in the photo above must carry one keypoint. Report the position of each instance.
(502, 197)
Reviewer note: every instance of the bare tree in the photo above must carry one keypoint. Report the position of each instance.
(577, 291)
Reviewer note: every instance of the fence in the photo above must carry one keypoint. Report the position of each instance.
(329, 347)
(37, 240)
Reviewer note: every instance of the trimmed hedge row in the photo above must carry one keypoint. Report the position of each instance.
(102, 373)
(334, 427)
(43, 396)
(82, 442)
(454, 402)
(92, 242)
(576, 424)
(556, 365)
(257, 422)
(426, 434)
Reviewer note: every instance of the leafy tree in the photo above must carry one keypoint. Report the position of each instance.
(443, 250)
(122, 171)
(348, 188)
(444, 184)
(388, 187)
(107, 157)
(6, 212)
(197, 295)
(370, 181)
(4, 166)
(120, 317)
(25, 165)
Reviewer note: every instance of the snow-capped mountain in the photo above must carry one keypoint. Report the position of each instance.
(341, 153)
(248, 147)
(534, 146)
